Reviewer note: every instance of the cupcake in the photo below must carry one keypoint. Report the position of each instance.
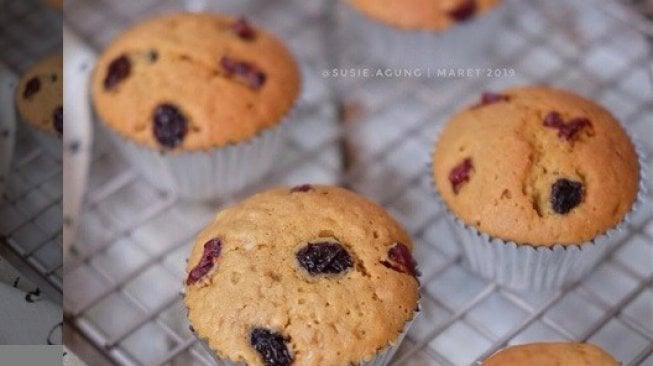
(196, 102)
(310, 275)
(39, 98)
(539, 181)
(419, 33)
(545, 354)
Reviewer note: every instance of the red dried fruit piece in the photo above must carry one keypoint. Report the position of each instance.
(567, 130)
(118, 70)
(57, 117)
(464, 11)
(245, 71)
(32, 87)
(206, 263)
(459, 175)
(401, 260)
(489, 98)
(301, 188)
(243, 29)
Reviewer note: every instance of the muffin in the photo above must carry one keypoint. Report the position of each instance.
(196, 101)
(545, 354)
(39, 99)
(310, 275)
(538, 180)
(420, 33)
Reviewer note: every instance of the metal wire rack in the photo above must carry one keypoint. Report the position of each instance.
(31, 223)
(124, 280)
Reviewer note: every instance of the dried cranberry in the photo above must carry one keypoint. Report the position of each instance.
(32, 87)
(57, 116)
(491, 98)
(243, 29)
(245, 71)
(301, 188)
(565, 195)
(553, 119)
(206, 263)
(324, 258)
(271, 346)
(170, 125)
(464, 11)
(401, 260)
(118, 70)
(567, 130)
(459, 175)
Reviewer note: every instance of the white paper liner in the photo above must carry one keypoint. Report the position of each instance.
(539, 268)
(382, 357)
(462, 45)
(206, 175)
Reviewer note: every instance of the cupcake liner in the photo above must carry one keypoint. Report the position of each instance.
(460, 45)
(539, 268)
(210, 174)
(382, 358)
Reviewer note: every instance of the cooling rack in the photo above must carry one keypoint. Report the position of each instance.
(31, 223)
(124, 279)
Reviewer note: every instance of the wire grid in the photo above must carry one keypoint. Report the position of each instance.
(31, 219)
(122, 287)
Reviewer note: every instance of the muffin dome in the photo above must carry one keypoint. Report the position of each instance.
(319, 273)
(194, 81)
(536, 165)
(435, 15)
(546, 354)
(39, 95)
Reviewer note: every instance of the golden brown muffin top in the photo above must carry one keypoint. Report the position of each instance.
(194, 81)
(315, 269)
(435, 15)
(538, 166)
(547, 354)
(39, 94)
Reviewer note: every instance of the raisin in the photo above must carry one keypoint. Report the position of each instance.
(567, 130)
(565, 195)
(245, 71)
(459, 175)
(491, 98)
(211, 252)
(301, 188)
(401, 260)
(170, 125)
(57, 117)
(118, 70)
(271, 346)
(243, 29)
(464, 11)
(324, 258)
(32, 87)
